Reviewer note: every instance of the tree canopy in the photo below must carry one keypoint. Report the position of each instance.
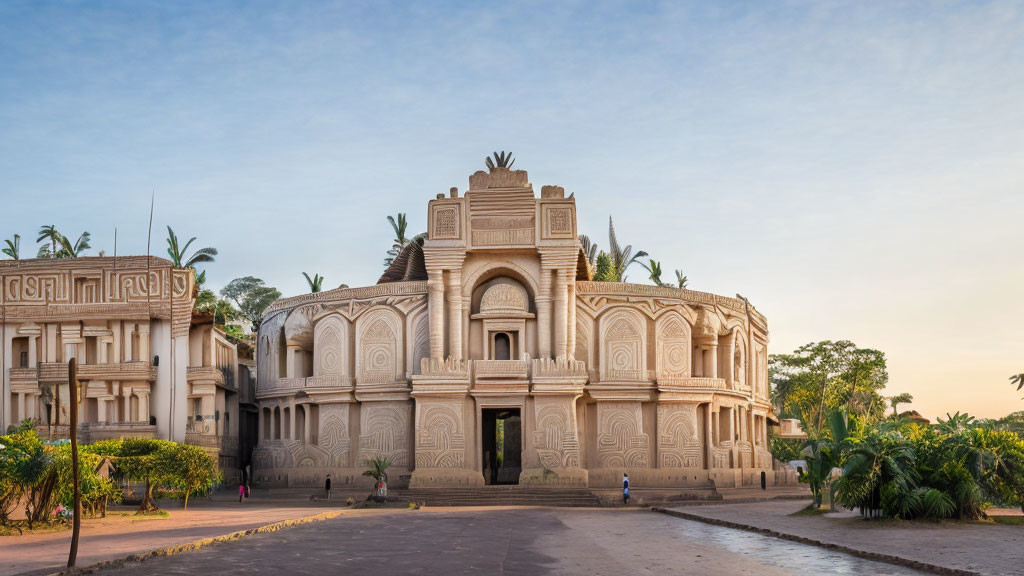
(820, 378)
(251, 297)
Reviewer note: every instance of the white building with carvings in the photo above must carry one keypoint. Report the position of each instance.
(145, 368)
(488, 356)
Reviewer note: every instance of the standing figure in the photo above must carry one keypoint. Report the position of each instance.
(241, 492)
(327, 486)
(625, 488)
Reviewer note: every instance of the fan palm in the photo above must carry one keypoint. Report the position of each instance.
(879, 473)
(590, 250)
(1017, 379)
(13, 247)
(621, 256)
(681, 280)
(502, 160)
(178, 253)
(654, 268)
(315, 283)
(69, 250)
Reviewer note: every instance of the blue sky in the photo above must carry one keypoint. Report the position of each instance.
(855, 169)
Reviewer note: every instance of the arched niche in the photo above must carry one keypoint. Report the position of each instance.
(500, 309)
(418, 327)
(673, 353)
(330, 347)
(379, 357)
(739, 359)
(623, 338)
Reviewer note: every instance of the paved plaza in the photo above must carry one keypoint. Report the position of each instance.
(974, 547)
(526, 541)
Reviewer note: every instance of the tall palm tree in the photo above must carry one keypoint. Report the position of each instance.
(13, 247)
(315, 283)
(48, 234)
(1017, 379)
(655, 270)
(178, 254)
(622, 256)
(399, 226)
(681, 280)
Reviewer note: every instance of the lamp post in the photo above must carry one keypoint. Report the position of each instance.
(76, 520)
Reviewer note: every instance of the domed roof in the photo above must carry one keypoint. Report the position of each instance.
(505, 300)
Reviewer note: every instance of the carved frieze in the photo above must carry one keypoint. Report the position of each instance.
(440, 435)
(621, 441)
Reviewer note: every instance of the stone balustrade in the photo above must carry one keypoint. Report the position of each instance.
(53, 372)
(668, 383)
(205, 373)
(117, 371)
(561, 367)
(505, 369)
(282, 386)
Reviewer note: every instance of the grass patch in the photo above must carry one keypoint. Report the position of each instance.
(811, 511)
(19, 527)
(1008, 520)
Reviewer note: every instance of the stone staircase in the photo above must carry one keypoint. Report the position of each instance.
(511, 495)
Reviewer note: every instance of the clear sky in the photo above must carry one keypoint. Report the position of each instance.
(856, 170)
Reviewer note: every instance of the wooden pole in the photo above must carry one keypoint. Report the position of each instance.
(76, 520)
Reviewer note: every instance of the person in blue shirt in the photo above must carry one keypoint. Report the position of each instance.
(625, 488)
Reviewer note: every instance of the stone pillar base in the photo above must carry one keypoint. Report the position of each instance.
(578, 477)
(445, 478)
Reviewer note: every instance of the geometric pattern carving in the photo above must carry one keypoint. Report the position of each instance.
(739, 373)
(621, 442)
(384, 431)
(446, 223)
(440, 440)
(379, 359)
(555, 436)
(330, 349)
(679, 445)
(421, 341)
(333, 434)
(504, 298)
(623, 354)
(673, 357)
(582, 351)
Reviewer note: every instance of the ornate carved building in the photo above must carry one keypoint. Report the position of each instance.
(488, 355)
(145, 368)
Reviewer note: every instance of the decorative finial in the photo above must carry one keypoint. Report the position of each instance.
(502, 160)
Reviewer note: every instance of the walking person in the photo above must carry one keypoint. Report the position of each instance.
(327, 486)
(625, 488)
(241, 492)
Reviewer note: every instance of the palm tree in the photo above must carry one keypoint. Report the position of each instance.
(681, 280)
(48, 233)
(377, 468)
(400, 240)
(590, 250)
(13, 247)
(901, 398)
(655, 269)
(69, 250)
(1017, 379)
(315, 282)
(622, 256)
(502, 160)
(879, 474)
(178, 255)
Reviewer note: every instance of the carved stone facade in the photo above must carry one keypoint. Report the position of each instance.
(506, 336)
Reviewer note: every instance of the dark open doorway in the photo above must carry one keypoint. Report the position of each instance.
(502, 445)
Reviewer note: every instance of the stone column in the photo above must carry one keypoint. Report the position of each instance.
(262, 430)
(435, 288)
(570, 337)
(734, 416)
(307, 433)
(143, 406)
(101, 409)
(561, 312)
(708, 437)
(144, 345)
(543, 302)
(32, 352)
(291, 419)
(455, 314)
(291, 361)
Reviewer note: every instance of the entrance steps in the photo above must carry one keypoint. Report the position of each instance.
(511, 495)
